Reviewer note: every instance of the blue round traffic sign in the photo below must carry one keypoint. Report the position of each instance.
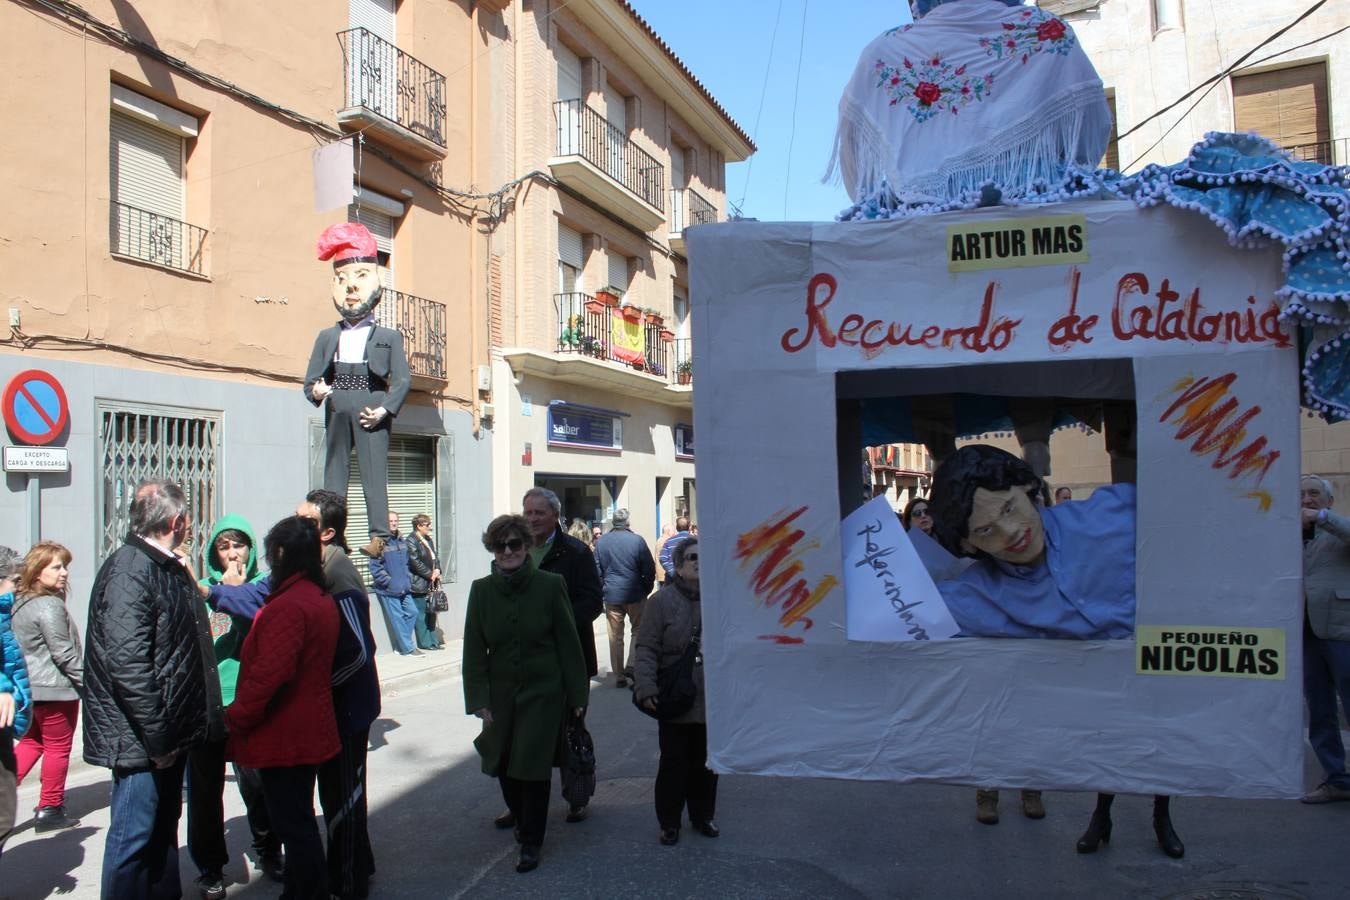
(35, 407)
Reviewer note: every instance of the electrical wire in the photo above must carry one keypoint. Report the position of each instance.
(464, 203)
(764, 92)
(796, 92)
(38, 341)
(1208, 85)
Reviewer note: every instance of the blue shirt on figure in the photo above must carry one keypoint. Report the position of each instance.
(1084, 588)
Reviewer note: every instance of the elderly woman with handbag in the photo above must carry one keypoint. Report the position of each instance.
(524, 674)
(425, 568)
(669, 642)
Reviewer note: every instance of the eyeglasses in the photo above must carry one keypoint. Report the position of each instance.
(691, 557)
(510, 546)
(920, 511)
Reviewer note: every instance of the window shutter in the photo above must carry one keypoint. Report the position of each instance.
(376, 16)
(1111, 159)
(412, 490)
(381, 227)
(569, 73)
(1288, 106)
(618, 271)
(146, 165)
(569, 246)
(616, 110)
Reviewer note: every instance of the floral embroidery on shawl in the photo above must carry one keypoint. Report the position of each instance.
(931, 86)
(1035, 32)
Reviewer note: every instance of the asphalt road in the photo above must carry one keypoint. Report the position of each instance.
(781, 838)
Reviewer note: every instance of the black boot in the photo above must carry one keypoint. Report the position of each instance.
(52, 818)
(1099, 828)
(529, 858)
(1168, 841)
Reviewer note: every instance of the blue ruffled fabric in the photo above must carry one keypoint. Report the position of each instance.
(1257, 194)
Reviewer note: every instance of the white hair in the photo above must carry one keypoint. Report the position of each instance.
(1323, 483)
(549, 497)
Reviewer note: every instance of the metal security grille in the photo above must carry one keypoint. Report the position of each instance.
(139, 442)
(412, 490)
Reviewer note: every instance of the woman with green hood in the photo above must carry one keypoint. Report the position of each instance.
(231, 557)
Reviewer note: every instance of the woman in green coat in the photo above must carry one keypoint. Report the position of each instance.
(523, 672)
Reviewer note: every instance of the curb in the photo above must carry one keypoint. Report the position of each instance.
(394, 684)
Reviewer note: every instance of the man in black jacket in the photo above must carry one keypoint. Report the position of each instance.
(151, 691)
(628, 572)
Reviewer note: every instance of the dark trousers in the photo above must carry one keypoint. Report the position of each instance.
(206, 808)
(342, 424)
(683, 776)
(290, 804)
(140, 858)
(528, 802)
(342, 793)
(9, 784)
(1326, 673)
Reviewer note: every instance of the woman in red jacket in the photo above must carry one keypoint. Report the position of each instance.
(281, 721)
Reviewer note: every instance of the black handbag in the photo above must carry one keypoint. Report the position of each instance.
(675, 688)
(578, 768)
(437, 602)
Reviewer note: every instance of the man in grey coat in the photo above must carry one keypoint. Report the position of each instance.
(627, 571)
(1326, 633)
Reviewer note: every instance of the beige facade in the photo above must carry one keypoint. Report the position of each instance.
(633, 150)
(160, 244)
(1151, 52)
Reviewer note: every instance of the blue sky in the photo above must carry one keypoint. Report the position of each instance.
(726, 43)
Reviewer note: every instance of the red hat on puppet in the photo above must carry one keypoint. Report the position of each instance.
(346, 243)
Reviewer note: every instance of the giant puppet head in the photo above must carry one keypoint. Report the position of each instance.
(356, 271)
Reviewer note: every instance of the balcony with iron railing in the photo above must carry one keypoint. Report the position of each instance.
(149, 237)
(422, 324)
(621, 349)
(1334, 152)
(687, 208)
(596, 159)
(398, 97)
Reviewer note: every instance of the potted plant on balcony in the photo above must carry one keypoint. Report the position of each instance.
(667, 335)
(655, 368)
(653, 317)
(631, 313)
(684, 372)
(609, 296)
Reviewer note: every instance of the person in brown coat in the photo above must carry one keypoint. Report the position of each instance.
(673, 616)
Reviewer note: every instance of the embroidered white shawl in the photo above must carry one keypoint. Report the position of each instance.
(975, 93)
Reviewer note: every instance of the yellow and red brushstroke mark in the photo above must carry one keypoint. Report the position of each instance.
(1206, 408)
(773, 552)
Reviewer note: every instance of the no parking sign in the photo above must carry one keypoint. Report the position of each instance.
(35, 408)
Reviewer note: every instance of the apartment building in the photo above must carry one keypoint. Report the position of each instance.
(1292, 90)
(159, 244)
(593, 374)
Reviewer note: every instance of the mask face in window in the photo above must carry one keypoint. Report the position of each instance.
(1006, 525)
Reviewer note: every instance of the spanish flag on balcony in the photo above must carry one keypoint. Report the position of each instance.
(625, 337)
